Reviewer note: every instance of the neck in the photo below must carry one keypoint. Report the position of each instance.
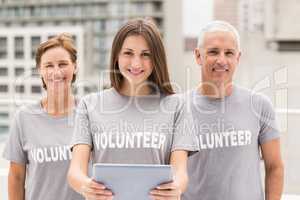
(217, 91)
(135, 90)
(58, 103)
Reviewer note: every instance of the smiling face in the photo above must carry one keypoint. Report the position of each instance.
(135, 61)
(218, 57)
(57, 69)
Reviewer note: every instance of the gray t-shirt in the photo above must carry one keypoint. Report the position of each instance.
(230, 132)
(42, 143)
(133, 130)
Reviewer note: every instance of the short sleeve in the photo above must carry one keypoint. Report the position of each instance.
(14, 150)
(184, 130)
(268, 126)
(82, 132)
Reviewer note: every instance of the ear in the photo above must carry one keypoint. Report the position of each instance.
(197, 54)
(239, 56)
(75, 69)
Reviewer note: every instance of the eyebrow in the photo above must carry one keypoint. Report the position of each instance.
(145, 50)
(218, 49)
(46, 63)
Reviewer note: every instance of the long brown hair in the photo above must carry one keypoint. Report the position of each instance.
(149, 31)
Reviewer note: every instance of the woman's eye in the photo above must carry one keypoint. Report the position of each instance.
(127, 53)
(49, 66)
(146, 54)
(63, 64)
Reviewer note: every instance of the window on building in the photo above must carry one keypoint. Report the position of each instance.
(10, 12)
(121, 8)
(4, 115)
(36, 11)
(34, 72)
(3, 129)
(108, 42)
(50, 36)
(3, 47)
(159, 22)
(3, 71)
(113, 25)
(19, 71)
(19, 89)
(2, 12)
(36, 89)
(3, 88)
(103, 59)
(52, 11)
(99, 42)
(288, 45)
(77, 10)
(74, 39)
(100, 26)
(18, 12)
(157, 6)
(138, 7)
(101, 8)
(19, 47)
(35, 41)
(113, 7)
(89, 10)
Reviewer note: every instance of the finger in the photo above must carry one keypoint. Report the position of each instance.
(96, 185)
(167, 186)
(167, 193)
(93, 191)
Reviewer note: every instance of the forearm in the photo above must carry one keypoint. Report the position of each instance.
(182, 180)
(274, 183)
(16, 189)
(76, 178)
(179, 163)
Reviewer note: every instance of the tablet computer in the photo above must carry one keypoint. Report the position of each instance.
(131, 181)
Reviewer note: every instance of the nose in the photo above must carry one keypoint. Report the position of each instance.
(221, 59)
(56, 72)
(136, 62)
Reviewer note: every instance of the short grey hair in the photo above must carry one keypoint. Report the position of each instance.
(215, 26)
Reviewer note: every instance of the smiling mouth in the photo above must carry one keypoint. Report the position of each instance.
(220, 69)
(135, 72)
(58, 80)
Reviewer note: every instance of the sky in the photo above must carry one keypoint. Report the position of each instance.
(196, 13)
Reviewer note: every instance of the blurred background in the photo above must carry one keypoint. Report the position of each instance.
(270, 40)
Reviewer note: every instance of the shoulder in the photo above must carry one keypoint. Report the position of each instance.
(96, 96)
(27, 109)
(259, 101)
(176, 100)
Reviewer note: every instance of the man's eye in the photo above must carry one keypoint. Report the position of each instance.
(212, 52)
(229, 53)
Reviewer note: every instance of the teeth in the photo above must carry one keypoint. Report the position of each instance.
(136, 71)
(220, 70)
(58, 80)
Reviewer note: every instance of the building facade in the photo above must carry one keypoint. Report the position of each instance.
(99, 21)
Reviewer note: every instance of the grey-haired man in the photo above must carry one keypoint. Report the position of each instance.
(233, 126)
